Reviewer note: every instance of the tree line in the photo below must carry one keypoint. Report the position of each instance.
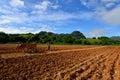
(76, 37)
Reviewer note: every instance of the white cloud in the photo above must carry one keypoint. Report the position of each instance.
(112, 17)
(44, 27)
(4, 21)
(110, 5)
(83, 2)
(5, 11)
(16, 18)
(61, 16)
(55, 6)
(96, 32)
(44, 6)
(17, 3)
(107, 11)
(10, 30)
(27, 29)
(16, 30)
(89, 3)
(102, 3)
(10, 19)
(45, 11)
(106, 1)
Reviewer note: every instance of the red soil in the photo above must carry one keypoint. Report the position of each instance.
(67, 63)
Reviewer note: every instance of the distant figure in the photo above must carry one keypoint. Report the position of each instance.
(48, 44)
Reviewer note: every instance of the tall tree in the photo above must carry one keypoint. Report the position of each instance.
(4, 38)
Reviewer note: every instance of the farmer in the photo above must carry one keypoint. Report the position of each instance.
(48, 44)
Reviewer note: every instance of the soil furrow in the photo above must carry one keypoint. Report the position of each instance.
(76, 71)
(116, 75)
(109, 71)
(112, 70)
(98, 75)
(68, 63)
(92, 74)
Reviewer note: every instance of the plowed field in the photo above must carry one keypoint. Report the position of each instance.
(61, 63)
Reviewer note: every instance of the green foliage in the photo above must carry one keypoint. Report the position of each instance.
(105, 40)
(91, 41)
(78, 41)
(16, 38)
(4, 37)
(43, 37)
(94, 38)
(68, 39)
(77, 34)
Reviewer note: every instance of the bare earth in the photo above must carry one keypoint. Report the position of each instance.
(61, 63)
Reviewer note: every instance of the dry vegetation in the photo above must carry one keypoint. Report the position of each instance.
(67, 63)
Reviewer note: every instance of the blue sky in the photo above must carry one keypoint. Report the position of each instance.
(93, 18)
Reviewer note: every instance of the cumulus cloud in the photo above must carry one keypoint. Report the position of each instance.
(96, 32)
(26, 29)
(106, 1)
(17, 3)
(4, 21)
(16, 30)
(9, 19)
(44, 6)
(97, 3)
(43, 27)
(8, 10)
(47, 11)
(55, 6)
(9, 30)
(62, 16)
(16, 18)
(107, 10)
(89, 3)
(112, 17)
(83, 2)
(5, 11)
(110, 4)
